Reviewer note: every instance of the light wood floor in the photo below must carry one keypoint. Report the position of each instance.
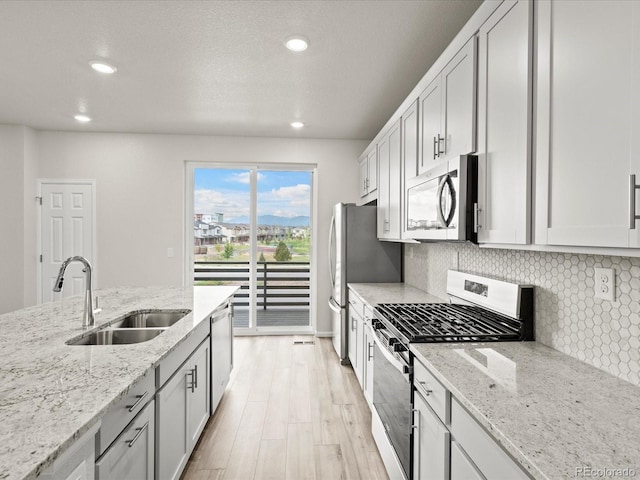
(290, 412)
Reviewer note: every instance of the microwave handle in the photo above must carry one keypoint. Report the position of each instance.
(445, 222)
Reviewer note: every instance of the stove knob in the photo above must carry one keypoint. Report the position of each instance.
(407, 370)
(398, 347)
(377, 325)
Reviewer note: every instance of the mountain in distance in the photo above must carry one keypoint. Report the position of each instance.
(300, 221)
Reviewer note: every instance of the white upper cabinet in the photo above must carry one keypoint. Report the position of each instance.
(588, 122)
(504, 124)
(447, 111)
(430, 136)
(368, 173)
(390, 169)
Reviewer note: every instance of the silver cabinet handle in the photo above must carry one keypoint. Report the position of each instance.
(633, 186)
(191, 372)
(441, 151)
(353, 324)
(137, 402)
(140, 431)
(425, 389)
(370, 352)
(195, 371)
(435, 147)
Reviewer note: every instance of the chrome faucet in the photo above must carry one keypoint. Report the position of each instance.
(88, 319)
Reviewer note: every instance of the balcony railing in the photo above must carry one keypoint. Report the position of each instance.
(282, 285)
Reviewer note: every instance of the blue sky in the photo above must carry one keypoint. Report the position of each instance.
(286, 194)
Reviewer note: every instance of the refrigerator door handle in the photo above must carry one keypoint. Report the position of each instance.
(332, 276)
(334, 306)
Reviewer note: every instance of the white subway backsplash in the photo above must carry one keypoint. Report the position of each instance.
(567, 316)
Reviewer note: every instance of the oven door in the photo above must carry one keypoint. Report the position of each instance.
(392, 399)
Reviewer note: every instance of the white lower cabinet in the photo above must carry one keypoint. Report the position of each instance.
(132, 453)
(448, 443)
(490, 459)
(430, 442)
(78, 462)
(461, 467)
(182, 410)
(367, 363)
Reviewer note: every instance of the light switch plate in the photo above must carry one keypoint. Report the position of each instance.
(605, 283)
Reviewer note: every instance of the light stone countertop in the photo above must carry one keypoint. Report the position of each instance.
(375, 293)
(552, 413)
(51, 393)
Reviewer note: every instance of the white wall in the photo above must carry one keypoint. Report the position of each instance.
(17, 203)
(140, 193)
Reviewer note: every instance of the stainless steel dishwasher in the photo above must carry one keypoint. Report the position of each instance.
(221, 351)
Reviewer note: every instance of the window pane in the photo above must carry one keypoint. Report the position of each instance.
(222, 203)
(283, 248)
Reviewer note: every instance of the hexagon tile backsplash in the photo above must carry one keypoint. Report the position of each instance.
(567, 316)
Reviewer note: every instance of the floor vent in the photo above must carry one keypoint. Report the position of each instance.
(303, 342)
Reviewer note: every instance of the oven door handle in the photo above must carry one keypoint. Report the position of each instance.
(397, 364)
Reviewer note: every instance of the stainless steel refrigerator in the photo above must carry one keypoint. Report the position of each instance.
(356, 256)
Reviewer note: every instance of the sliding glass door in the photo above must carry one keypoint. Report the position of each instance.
(252, 227)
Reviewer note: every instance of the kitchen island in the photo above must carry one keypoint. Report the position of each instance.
(52, 393)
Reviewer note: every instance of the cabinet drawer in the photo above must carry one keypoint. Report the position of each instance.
(355, 303)
(433, 391)
(481, 448)
(132, 454)
(120, 414)
(179, 355)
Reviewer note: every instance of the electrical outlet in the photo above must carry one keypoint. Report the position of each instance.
(170, 253)
(605, 283)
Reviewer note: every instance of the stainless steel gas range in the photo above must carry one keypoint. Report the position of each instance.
(480, 310)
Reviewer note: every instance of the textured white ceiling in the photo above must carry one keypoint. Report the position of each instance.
(219, 67)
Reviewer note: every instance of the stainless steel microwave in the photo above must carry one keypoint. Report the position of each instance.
(441, 203)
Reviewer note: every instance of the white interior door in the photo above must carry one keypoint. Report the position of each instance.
(66, 229)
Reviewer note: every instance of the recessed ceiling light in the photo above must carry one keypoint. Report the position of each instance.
(102, 67)
(297, 124)
(82, 118)
(296, 44)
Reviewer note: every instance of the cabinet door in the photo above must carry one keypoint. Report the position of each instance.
(395, 182)
(353, 344)
(372, 171)
(200, 392)
(383, 187)
(583, 129)
(459, 103)
(430, 114)
(360, 349)
(132, 453)
(410, 141)
(461, 467)
(364, 172)
(367, 377)
(430, 443)
(172, 425)
(504, 125)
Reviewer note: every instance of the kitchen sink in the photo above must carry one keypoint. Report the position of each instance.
(117, 336)
(150, 319)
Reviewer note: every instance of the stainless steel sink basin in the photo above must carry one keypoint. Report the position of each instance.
(116, 336)
(150, 319)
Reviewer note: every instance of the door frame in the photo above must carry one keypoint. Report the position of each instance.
(64, 181)
(254, 168)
